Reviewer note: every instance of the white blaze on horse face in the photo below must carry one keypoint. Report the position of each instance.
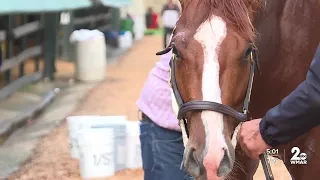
(210, 35)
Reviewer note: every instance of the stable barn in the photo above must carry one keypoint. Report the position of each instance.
(34, 33)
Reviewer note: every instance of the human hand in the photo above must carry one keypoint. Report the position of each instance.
(250, 139)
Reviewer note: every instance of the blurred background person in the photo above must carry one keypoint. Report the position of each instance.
(151, 19)
(170, 14)
(154, 20)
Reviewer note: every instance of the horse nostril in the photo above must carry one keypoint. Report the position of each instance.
(191, 157)
(195, 157)
(226, 164)
(191, 162)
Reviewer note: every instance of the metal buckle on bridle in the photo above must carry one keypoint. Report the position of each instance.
(249, 88)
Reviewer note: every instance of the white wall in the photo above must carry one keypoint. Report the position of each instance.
(137, 10)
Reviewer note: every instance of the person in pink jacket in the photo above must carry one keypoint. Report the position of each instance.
(161, 138)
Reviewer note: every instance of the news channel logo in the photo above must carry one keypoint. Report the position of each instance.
(298, 156)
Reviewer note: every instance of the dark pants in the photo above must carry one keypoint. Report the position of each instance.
(162, 152)
(166, 32)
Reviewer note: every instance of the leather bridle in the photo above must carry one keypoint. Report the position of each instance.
(199, 105)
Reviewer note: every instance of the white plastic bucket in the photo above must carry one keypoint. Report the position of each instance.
(133, 145)
(96, 153)
(90, 54)
(78, 123)
(119, 129)
(126, 40)
(75, 124)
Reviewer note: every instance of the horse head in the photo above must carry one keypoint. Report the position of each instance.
(212, 52)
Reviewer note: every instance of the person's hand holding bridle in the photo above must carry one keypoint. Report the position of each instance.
(250, 139)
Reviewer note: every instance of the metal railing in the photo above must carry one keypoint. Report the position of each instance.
(18, 49)
(23, 39)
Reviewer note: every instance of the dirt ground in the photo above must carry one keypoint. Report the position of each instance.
(116, 96)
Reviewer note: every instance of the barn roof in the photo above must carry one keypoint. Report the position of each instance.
(32, 6)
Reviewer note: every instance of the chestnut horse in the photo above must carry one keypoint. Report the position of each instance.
(210, 43)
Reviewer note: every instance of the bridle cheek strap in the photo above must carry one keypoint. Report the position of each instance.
(184, 132)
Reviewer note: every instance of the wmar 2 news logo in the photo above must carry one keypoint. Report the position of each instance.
(298, 157)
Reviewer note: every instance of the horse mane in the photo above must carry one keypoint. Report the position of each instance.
(234, 12)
